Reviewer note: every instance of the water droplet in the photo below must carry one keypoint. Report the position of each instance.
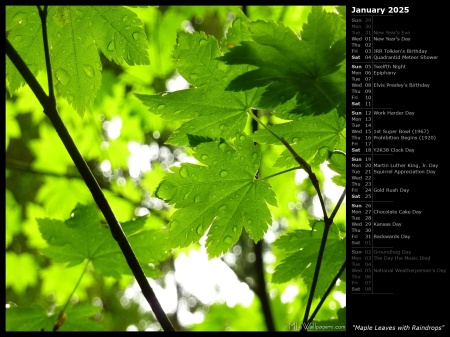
(88, 70)
(222, 127)
(199, 230)
(161, 106)
(228, 240)
(62, 76)
(235, 229)
(295, 140)
(249, 222)
(197, 198)
(186, 196)
(193, 76)
(136, 35)
(202, 42)
(223, 146)
(242, 137)
(184, 172)
(20, 17)
(125, 18)
(204, 156)
(223, 173)
(111, 46)
(222, 208)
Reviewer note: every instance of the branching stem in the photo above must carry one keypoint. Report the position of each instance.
(83, 168)
(278, 173)
(327, 220)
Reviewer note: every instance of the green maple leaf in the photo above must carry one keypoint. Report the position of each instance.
(75, 33)
(312, 137)
(338, 163)
(207, 109)
(36, 318)
(221, 195)
(310, 69)
(303, 247)
(82, 237)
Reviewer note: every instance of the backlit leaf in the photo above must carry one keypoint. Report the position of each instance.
(303, 248)
(220, 197)
(82, 237)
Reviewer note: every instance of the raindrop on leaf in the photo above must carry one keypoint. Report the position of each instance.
(184, 172)
(88, 70)
(62, 76)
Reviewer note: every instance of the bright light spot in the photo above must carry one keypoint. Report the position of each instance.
(105, 166)
(187, 26)
(132, 328)
(270, 235)
(268, 257)
(167, 296)
(317, 208)
(176, 82)
(186, 317)
(139, 159)
(330, 189)
(300, 175)
(113, 127)
(210, 280)
(341, 298)
(154, 327)
(141, 211)
(289, 293)
(156, 134)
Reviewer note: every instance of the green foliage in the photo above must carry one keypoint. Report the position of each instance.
(302, 247)
(82, 237)
(79, 32)
(312, 137)
(175, 166)
(196, 60)
(309, 68)
(223, 194)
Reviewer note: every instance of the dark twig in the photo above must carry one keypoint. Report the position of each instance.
(83, 168)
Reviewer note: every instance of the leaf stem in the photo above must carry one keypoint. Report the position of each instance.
(76, 286)
(43, 16)
(262, 124)
(275, 174)
(83, 168)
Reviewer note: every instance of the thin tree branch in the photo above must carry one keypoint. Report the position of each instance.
(261, 289)
(116, 229)
(43, 16)
(326, 229)
(325, 295)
